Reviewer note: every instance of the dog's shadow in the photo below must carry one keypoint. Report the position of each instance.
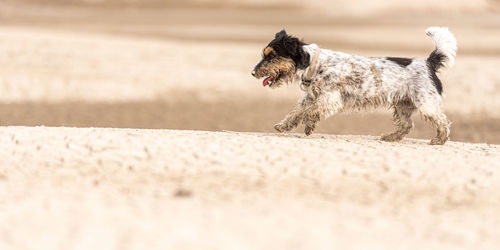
(347, 138)
(350, 138)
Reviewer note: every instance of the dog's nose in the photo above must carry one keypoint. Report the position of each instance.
(253, 73)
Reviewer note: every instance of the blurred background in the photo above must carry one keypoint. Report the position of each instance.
(186, 64)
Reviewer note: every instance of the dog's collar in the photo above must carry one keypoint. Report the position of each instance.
(306, 81)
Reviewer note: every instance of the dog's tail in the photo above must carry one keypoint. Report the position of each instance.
(446, 48)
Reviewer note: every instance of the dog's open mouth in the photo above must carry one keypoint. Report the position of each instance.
(269, 80)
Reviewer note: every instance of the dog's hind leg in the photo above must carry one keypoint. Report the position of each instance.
(442, 125)
(402, 119)
(432, 112)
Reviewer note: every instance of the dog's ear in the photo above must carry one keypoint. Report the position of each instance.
(291, 45)
(302, 58)
(280, 34)
(294, 48)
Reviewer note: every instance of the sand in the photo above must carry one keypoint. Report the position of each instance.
(84, 188)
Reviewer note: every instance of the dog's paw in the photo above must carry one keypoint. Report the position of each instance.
(280, 127)
(438, 141)
(391, 137)
(308, 130)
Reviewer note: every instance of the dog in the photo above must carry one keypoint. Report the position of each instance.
(335, 82)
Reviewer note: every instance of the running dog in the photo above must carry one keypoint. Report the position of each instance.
(335, 82)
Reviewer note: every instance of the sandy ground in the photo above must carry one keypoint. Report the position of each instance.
(76, 188)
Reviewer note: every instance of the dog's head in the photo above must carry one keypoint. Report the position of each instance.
(280, 60)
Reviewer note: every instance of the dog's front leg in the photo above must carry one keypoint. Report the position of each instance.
(323, 106)
(311, 117)
(293, 119)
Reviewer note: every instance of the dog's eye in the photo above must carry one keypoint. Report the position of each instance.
(271, 56)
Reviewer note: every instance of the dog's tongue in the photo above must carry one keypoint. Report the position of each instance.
(267, 80)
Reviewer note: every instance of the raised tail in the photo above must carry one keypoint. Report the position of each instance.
(446, 48)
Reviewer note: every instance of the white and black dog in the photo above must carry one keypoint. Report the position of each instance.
(334, 82)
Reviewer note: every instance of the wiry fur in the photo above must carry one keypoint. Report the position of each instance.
(344, 82)
(445, 43)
